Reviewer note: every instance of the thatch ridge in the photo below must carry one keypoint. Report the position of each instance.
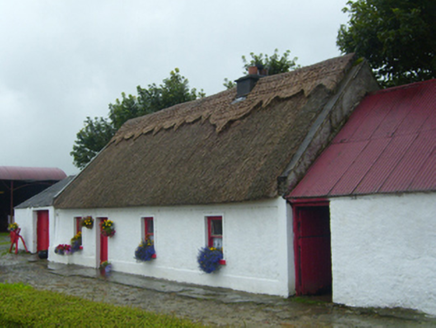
(210, 150)
(220, 109)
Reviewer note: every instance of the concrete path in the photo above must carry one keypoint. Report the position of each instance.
(211, 306)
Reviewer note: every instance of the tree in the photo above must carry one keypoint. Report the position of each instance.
(91, 139)
(98, 132)
(397, 37)
(275, 64)
(174, 90)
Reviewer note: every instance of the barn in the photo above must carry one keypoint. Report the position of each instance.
(18, 184)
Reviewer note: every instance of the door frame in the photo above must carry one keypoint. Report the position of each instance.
(297, 204)
(101, 247)
(38, 236)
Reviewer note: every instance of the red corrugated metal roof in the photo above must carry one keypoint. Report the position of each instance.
(31, 173)
(388, 145)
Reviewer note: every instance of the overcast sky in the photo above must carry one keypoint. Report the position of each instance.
(61, 61)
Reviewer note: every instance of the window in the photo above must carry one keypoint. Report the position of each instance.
(215, 231)
(148, 231)
(148, 228)
(76, 241)
(78, 224)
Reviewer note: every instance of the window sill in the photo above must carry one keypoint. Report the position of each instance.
(222, 262)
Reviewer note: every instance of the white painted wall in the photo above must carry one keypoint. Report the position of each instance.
(384, 251)
(27, 220)
(256, 243)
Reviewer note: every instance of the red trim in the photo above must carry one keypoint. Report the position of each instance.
(147, 221)
(309, 202)
(296, 252)
(78, 224)
(42, 231)
(103, 244)
(296, 205)
(210, 237)
(146, 226)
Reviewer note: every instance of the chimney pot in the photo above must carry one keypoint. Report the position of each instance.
(253, 70)
(245, 84)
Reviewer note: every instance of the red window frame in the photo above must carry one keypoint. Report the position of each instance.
(78, 224)
(149, 229)
(210, 233)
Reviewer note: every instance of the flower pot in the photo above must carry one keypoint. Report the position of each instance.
(43, 254)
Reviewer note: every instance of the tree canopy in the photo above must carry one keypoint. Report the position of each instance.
(275, 64)
(174, 90)
(97, 133)
(397, 37)
(91, 139)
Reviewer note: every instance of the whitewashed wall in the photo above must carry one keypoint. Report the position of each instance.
(384, 251)
(26, 219)
(256, 241)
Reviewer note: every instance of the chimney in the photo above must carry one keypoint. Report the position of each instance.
(246, 83)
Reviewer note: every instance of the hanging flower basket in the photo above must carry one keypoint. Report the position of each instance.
(145, 251)
(76, 242)
(107, 228)
(13, 226)
(87, 222)
(63, 249)
(209, 259)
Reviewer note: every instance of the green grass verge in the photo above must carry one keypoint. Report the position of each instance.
(23, 306)
(4, 238)
(306, 300)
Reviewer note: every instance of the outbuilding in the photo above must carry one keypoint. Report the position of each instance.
(376, 187)
(18, 184)
(35, 215)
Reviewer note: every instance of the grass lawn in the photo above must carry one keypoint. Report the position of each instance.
(23, 306)
(4, 238)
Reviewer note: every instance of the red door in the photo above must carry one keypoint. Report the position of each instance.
(312, 250)
(42, 231)
(103, 245)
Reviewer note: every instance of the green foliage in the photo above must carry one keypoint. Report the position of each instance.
(91, 139)
(397, 37)
(275, 64)
(96, 134)
(229, 84)
(23, 306)
(174, 90)
(4, 238)
(306, 300)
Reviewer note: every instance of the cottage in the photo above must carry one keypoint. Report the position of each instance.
(376, 184)
(213, 172)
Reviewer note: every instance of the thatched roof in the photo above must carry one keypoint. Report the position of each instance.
(212, 150)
